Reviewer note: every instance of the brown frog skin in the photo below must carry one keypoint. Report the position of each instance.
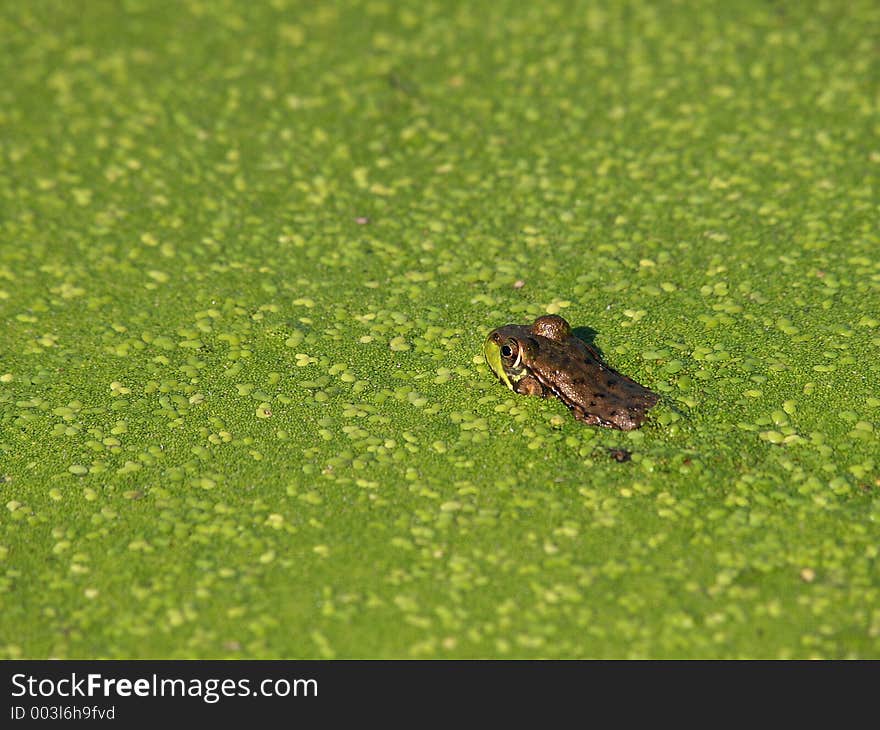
(546, 359)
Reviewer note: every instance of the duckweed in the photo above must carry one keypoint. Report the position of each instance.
(247, 261)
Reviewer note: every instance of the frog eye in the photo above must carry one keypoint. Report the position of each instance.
(509, 350)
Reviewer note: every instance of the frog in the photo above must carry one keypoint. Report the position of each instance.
(546, 359)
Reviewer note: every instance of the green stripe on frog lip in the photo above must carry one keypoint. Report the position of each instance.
(492, 353)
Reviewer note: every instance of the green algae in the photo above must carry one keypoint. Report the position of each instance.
(248, 256)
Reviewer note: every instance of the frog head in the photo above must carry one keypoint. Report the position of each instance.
(508, 352)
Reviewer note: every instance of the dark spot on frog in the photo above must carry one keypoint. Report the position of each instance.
(620, 455)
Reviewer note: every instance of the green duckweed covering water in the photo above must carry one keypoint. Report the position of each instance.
(248, 255)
